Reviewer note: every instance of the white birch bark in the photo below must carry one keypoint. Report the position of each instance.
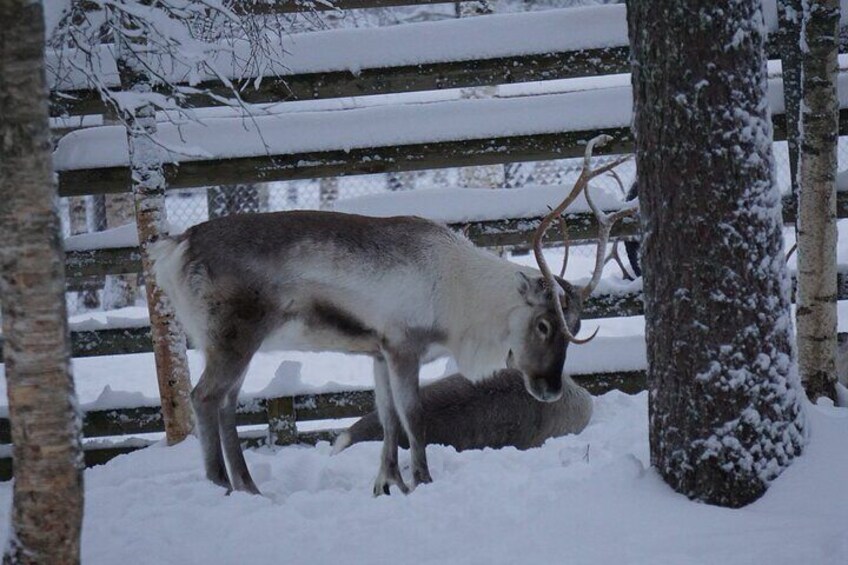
(148, 187)
(120, 290)
(45, 423)
(816, 297)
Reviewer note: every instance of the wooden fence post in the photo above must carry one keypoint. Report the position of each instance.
(282, 426)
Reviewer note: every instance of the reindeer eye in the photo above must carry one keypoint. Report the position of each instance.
(543, 327)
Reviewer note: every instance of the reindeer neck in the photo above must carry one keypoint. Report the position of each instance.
(480, 290)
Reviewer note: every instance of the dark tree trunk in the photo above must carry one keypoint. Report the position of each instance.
(45, 424)
(789, 38)
(725, 413)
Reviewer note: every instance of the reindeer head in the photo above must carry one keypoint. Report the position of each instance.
(553, 319)
(538, 346)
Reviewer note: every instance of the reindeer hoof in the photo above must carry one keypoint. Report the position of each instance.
(385, 481)
(422, 477)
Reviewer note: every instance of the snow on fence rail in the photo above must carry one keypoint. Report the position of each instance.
(495, 49)
(297, 145)
(466, 52)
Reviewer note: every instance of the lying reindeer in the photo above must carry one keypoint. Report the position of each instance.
(398, 289)
(496, 412)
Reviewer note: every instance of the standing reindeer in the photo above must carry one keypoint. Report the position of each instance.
(398, 289)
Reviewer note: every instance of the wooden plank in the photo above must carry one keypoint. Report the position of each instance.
(148, 419)
(613, 305)
(117, 341)
(270, 7)
(393, 80)
(122, 421)
(519, 231)
(110, 341)
(630, 382)
(100, 262)
(100, 454)
(332, 406)
(84, 284)
(284, 7)
(323, 164)
(488, 233)
(390, 80)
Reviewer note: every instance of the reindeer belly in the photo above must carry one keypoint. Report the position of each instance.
(322, 326)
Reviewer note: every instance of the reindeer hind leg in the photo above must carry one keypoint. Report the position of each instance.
(239, 473)
(206, 399)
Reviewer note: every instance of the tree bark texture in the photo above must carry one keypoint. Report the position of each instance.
(120, 290)
(45, 421)
(148, 188)
(789, 14)
(816, 313)
(725, 410)
(78, 223)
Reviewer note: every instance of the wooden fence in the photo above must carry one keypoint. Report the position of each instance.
(279, 415)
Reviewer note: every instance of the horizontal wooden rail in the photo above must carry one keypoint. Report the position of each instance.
(365, 161)
(438, 75)
(489, 233)
(409, 78)
(395, 158)
(306, 407)
(269, 7)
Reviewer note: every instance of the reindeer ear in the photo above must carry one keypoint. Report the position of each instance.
(523, 283)
(532, 289)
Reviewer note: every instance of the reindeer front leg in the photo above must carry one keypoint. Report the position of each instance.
(389, 471)
(403, 377)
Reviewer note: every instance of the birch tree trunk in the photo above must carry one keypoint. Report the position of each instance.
(148, 187)
(816, 298)
(120, 290)
(78, 223)
(724, 409)
(45, 422)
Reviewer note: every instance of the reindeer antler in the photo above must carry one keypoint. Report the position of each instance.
(586, 174)
(605, 223)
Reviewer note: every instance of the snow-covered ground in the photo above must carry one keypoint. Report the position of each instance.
(590, 498)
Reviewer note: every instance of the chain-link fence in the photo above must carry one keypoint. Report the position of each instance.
(188, 207)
